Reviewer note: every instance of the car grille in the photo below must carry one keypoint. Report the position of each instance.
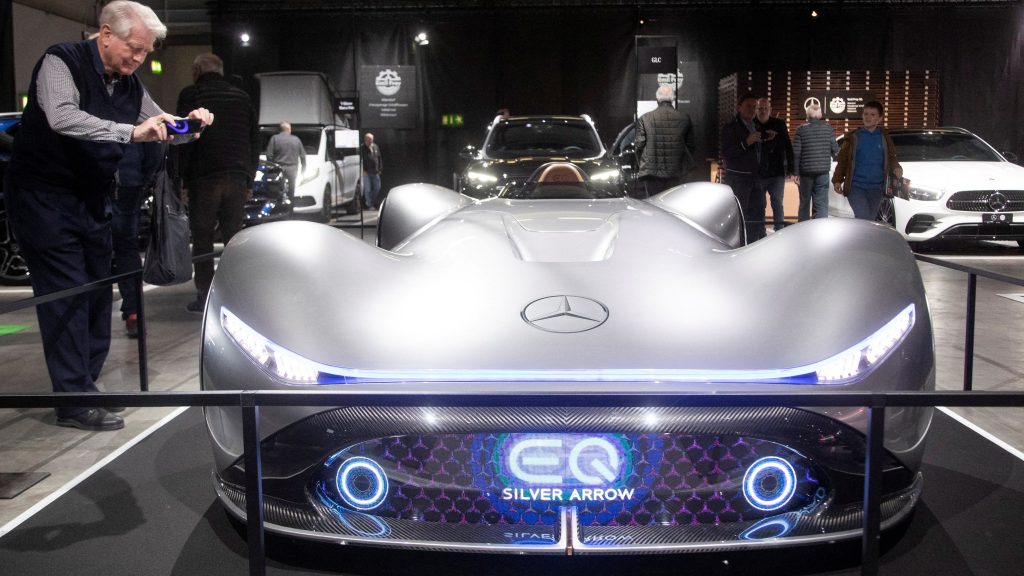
(987, 201)
(484, 479)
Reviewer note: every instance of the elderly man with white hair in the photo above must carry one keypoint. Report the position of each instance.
(664, 145)
(85, 104)
(814, 147)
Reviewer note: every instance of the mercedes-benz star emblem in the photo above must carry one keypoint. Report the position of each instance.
(565, 314)
(997, 201)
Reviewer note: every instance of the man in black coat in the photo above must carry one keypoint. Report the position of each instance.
(740, 143)
(664, 144)
(218, 170)
(776, 163)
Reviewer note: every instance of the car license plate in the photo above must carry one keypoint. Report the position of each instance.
(997, 218)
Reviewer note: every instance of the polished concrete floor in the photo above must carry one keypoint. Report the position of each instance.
(30, 442)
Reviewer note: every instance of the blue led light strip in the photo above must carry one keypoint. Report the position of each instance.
(809, 374)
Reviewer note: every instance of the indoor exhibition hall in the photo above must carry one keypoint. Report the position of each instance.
(505, 287)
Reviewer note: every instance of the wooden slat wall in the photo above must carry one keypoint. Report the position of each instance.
(911, 98)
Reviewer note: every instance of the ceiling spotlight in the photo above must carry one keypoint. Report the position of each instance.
(421, 39)
(245, 38)
(814, 13)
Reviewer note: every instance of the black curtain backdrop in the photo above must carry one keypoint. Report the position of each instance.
(573, 61)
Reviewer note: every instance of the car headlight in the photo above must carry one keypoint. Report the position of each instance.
(848, 365)
(926, 194)
(864, 355)
(482, 177)
(605, 176)
(280, 362)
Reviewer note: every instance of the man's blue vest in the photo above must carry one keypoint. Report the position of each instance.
(45, 160)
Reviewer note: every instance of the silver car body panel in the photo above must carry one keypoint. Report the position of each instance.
(688, 308)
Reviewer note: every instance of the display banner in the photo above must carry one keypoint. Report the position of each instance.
(387, 97)
(346, 105)
(839, 104)
(656, 59)
(684, 77)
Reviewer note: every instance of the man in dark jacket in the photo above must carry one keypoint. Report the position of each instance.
(664, 144)
(85, 104)
(218, 171)
(740, 143)
(776, 163)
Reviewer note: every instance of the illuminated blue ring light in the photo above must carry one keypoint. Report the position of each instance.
(767, 529)
(382, 528)
(369, 472)
(769, 470)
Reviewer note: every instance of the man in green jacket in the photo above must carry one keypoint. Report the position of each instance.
(664, 144)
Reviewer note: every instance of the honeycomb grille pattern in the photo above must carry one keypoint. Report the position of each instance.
(676, 479)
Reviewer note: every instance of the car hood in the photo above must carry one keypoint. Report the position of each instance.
(455, 296)
(954, 175)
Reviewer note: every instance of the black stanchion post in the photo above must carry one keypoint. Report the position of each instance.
(873, 488)
(972, 297)
(141, 326)
(253, 485)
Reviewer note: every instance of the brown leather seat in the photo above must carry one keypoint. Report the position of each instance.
(561, 172)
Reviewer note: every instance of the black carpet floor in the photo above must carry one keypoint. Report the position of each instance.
(153, 512)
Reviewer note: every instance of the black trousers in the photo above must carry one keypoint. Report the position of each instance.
(216, 204)
(751, 198)
(648, 186)
(67, 243)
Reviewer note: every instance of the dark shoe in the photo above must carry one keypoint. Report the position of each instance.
(131, 325)
(95, 419)
(196, 306)
(115, 408)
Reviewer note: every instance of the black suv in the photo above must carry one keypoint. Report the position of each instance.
(516, 146)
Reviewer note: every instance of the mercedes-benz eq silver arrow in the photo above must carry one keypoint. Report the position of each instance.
(557, 286)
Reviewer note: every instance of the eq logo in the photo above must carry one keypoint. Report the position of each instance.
(388, 82)
(837, 105)
(565, 459)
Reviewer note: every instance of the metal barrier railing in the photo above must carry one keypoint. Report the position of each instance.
(135, 276)
(972, 298)
(250, 402)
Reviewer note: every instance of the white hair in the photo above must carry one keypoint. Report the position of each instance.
(813, 111)
(665, 93)
(121, 15)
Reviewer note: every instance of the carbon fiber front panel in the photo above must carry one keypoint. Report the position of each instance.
(546, 480)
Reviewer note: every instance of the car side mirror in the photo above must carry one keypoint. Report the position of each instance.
(469, 152)
(1011, 157)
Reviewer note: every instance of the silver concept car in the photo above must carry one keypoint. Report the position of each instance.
(553, 286)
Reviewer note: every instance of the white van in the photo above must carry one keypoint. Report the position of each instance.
(332, 174)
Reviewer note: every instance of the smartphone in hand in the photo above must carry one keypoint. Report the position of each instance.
(184, 126)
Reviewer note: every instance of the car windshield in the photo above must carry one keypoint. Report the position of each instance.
(940, 147)
(559, 191)
(310, 136)
(516, 138)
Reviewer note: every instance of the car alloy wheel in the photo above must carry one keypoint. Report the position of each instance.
(887, 212)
